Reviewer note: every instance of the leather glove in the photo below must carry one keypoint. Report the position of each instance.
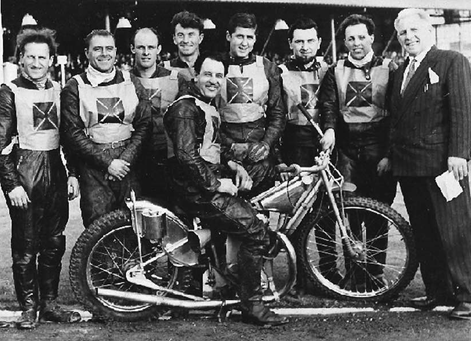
(239, 151)
(258, 151)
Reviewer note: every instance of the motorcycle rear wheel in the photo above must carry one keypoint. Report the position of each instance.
(100, 258)
(382, 237)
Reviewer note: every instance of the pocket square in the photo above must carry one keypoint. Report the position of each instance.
(433, 76)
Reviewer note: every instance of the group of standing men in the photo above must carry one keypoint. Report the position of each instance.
(224, 118)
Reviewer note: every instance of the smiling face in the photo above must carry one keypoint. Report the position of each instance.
(414, 34)
(101, 53)
(36, 60)
(241, 41)
(358, 41)
(210, 78)
(305, 44)
(187, 40)
(146, 49)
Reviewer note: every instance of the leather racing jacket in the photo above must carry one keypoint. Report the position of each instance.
(162, 89)
(365, 130)
(45, 121)
(301, 85)
(269, 127)
(329, 96)
(185, 123)
(182, 67)
(73, 128)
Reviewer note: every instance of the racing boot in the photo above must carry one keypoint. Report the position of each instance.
(256, 312)
(27, 319)
(49, 268)
(50, 311)
(24, 276)
(253, 309)
(51, 251)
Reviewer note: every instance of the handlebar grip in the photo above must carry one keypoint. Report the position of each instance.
(305, 112)
(286, 169)
(309, 117)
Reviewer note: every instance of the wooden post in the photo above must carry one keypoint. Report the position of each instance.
(107, 20)
(1, 45)
(62, 61)
(334, 43)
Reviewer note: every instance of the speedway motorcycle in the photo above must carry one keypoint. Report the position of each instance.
(135, 263)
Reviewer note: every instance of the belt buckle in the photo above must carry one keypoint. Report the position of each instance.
(115, 144)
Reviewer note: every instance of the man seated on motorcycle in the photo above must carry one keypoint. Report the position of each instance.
(207, 187)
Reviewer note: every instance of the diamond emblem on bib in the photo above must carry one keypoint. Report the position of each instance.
(359, 94)
(110, 110)
(239, 90)
(308, 95)
(45, 116)
(155, 97)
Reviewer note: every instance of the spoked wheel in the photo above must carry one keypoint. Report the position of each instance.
(383, 261)
(280, 265)
(100, 259)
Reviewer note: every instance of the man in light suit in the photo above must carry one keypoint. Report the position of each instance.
(431, 134)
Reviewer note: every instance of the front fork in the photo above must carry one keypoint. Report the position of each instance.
(354, 251)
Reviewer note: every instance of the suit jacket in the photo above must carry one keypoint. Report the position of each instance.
(432, 119)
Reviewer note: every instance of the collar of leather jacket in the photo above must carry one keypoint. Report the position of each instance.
(240, 61)
(294, 64)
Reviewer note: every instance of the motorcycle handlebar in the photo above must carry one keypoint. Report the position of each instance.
(296, 169)
(287, 169)
(306, 113)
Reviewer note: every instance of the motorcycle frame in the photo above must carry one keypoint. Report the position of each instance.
(136, 275)
(306, 203)
(303, 206)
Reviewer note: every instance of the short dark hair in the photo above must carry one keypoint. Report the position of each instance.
(94, 33)
(357, 19)
(151, 29)
(217, 56)
(302, 24)
(245, 20)
(36, 35)
(187, 20)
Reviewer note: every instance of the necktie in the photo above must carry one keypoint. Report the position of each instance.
(409, 75)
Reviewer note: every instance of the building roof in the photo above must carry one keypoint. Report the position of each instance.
(438, 4)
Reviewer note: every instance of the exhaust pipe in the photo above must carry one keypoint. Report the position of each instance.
(171, 302)
(165, 301)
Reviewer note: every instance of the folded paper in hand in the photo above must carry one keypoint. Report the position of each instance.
(449, 186)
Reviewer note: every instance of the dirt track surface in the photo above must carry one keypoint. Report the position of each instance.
(383, 326)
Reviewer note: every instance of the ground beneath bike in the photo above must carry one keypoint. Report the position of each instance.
(10, 315)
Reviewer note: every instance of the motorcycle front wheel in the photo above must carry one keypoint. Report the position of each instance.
(383, 261)
(100, 258)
